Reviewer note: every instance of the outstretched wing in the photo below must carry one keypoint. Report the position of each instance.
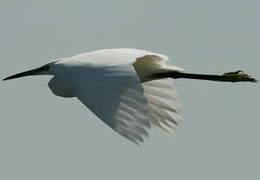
(164, 104)
(113, 93)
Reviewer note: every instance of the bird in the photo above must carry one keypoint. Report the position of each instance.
(131, 90)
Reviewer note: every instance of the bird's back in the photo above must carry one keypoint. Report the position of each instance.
(145, 62)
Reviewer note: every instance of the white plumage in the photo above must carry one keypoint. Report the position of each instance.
(128, 89)
(113, 84)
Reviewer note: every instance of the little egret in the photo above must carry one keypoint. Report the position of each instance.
(128, 89)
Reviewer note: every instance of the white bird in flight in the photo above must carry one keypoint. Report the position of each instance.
(129, 89)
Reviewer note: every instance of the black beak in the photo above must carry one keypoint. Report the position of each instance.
(32, 72)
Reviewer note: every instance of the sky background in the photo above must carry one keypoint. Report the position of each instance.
(46, 137)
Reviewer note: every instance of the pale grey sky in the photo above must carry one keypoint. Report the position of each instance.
(46, 137)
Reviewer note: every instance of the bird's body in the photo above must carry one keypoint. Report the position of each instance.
(145, 64)
(113, 84)
(129, 89)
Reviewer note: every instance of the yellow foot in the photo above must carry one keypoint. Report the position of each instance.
(239, 76)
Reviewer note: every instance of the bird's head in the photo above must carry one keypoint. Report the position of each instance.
(43, 70)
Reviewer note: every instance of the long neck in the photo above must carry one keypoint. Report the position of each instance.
(226, 77)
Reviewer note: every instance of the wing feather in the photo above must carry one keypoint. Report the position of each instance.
(112, 93)
(163, 103)
(108, 82)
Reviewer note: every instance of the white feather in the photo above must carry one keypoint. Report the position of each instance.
(113, 93)
(115, 84)
(163, 103)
